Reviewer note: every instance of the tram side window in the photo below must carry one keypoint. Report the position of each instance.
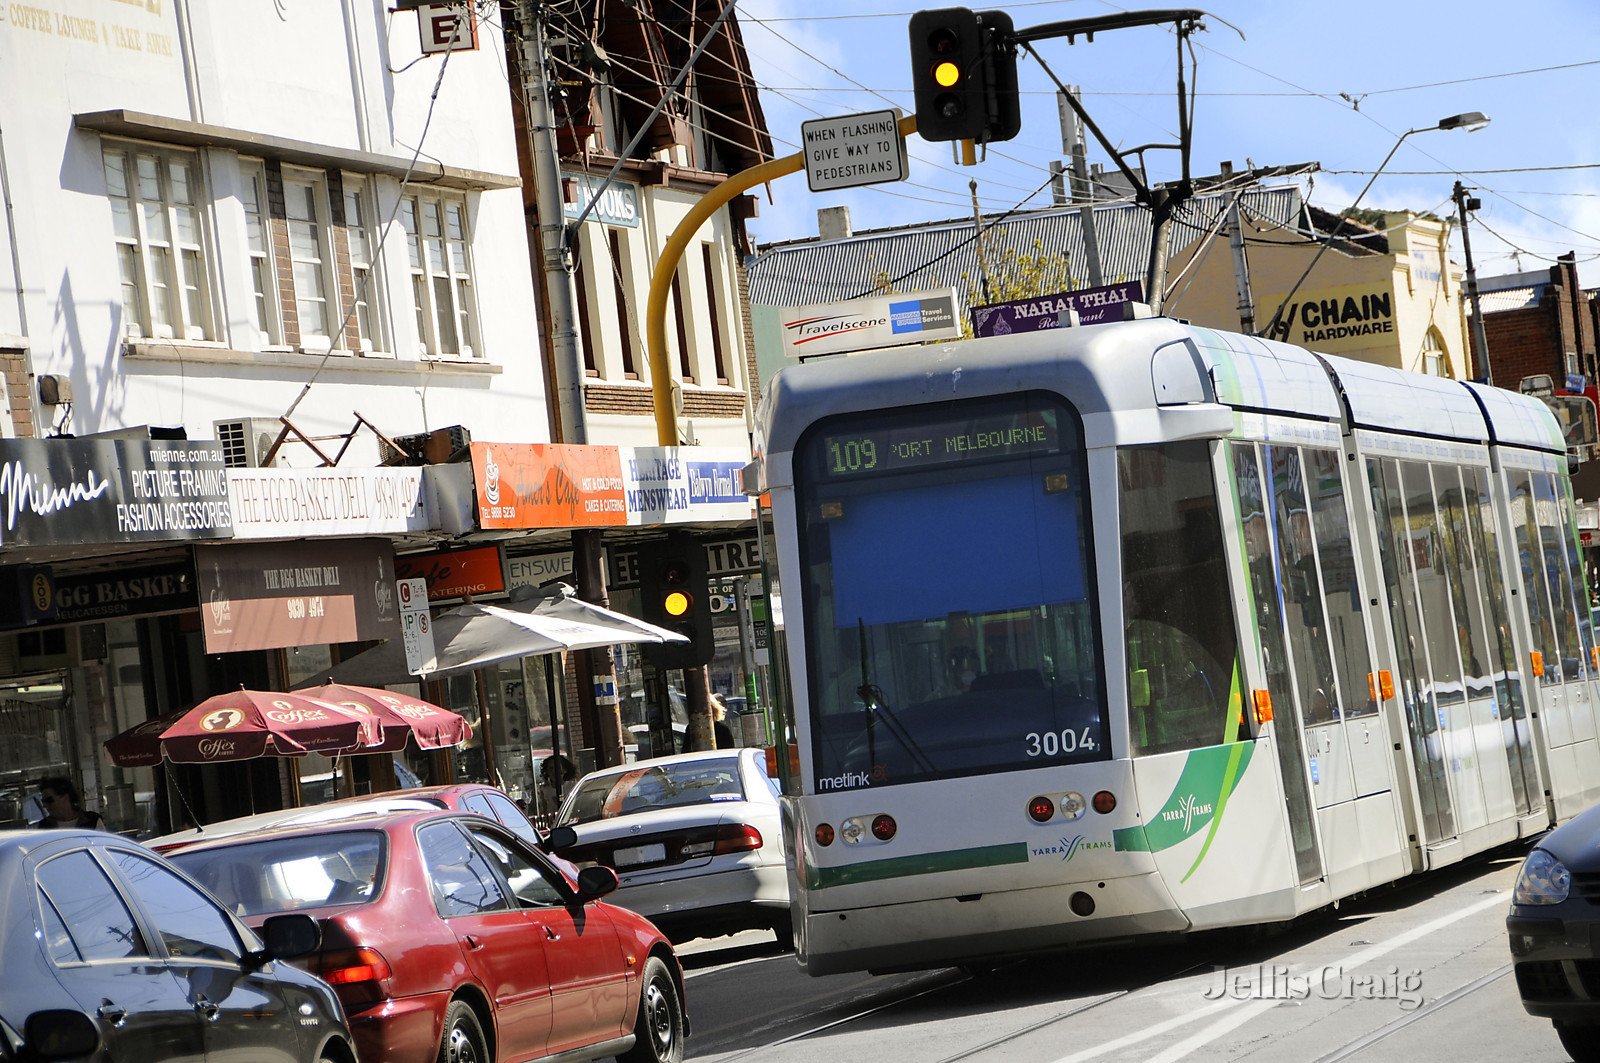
(1253, 501)
(1526, 525)
(1486, 542)
(1566, 662)
(1180, 639)
(1301, 585)
(1461, 569)
(1430, 567)
(1578, 594)
(1341, 593)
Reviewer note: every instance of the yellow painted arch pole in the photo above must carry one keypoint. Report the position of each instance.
(655, 328)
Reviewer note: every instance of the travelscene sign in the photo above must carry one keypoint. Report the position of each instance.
(876, 321)
(1094, 306)
(285, 503)
(99, 491)
(671, 485)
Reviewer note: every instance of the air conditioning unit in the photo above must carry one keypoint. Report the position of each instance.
(427, 448)
(246, 440)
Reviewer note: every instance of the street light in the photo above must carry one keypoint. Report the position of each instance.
(1471, 121)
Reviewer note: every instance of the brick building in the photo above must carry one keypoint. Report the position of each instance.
(1540, 322)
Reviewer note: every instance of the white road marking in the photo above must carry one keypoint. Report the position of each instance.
(1235, 1013)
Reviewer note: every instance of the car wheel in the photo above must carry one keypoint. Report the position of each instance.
(463, 1040)
(658, 1031)
(1581, 1042)
(784, 932)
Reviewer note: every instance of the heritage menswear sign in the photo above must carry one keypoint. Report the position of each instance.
(56, 492)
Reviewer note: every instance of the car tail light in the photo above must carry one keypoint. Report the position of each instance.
(728, 838)
(359, 976)
(883, 827)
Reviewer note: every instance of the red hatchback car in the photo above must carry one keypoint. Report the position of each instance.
(449, 938)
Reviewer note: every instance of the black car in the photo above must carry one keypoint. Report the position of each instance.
(1555, 933)
(95, 924)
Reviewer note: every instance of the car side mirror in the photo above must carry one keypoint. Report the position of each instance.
(559, 838)
(60, 1034)
(285, 937)
(595, 882)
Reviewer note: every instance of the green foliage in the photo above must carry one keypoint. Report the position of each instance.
(1011, 274)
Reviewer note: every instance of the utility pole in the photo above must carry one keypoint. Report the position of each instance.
(1241, 263)
(1082, 191)
(595, 670)
(977, 226)
(1480, 341)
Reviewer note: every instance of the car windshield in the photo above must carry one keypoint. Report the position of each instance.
(285, 874)
(653, 786)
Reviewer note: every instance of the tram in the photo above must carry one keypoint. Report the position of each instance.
(1141, 628)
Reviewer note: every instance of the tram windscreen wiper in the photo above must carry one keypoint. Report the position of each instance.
(873, 703)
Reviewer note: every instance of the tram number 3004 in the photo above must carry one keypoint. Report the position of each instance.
(1054, 743)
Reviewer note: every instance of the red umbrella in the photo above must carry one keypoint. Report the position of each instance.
(402, 717)
(140, 746)
(244, 724)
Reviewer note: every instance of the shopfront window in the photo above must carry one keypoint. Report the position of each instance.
(35, 743)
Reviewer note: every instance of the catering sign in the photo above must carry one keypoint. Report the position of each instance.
(285, 503)
(874, 321)
(455, 573)
(548, 485)
(262, 596)
(56, 492)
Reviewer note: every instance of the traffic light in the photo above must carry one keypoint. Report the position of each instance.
(964, 71)
(674, 590)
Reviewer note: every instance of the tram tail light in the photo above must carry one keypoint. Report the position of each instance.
(1105, 802)
(1041, 809)
(824, 834)
(1594, 657)
(1263, 703)
(1386, 683)
(1537, 660)
(883, 827)
(1372, 686)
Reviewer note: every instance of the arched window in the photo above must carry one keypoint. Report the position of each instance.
(1435, 359)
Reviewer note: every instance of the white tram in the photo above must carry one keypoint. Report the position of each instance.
(1141, 628)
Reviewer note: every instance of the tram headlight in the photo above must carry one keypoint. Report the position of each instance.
(1543, 880)
(1073, 806)
(851, 831)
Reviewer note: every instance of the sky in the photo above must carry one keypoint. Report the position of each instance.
(1277, 82)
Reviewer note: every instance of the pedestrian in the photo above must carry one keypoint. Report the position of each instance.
(63, 807)
(719, 724)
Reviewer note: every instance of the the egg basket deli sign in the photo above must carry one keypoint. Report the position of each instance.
(876, 321)
(97, 491)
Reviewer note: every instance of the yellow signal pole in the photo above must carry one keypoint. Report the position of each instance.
(655, 311)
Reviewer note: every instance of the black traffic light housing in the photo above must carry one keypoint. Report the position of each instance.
(676, 595)
(964, 72)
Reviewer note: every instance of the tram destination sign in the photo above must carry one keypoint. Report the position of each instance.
(954, 441)
(853, 150)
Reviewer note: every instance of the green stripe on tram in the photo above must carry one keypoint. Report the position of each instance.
(922, 864)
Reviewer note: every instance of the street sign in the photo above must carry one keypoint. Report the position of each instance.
(416, 626)
(855, 150)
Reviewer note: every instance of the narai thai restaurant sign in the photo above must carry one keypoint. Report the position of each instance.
(1092, 306)
(262, 596)
(99, 491)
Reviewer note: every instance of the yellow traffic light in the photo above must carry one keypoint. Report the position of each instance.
(676, 603)
(947, 74)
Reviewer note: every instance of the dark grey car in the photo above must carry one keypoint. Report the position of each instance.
(1554, 928)
(94, 923)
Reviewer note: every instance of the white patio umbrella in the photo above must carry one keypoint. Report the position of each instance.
(474, 636)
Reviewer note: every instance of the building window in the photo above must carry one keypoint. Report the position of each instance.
(160, 250)
(625, 319)
(680, 316)
(305, 201)
(258, 240)
(363, 271)
(441, 275)
(714, 304)
(1435, 360)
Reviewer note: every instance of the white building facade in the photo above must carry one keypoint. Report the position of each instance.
(213, 204)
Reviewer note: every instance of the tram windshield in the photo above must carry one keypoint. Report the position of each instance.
(948, 596)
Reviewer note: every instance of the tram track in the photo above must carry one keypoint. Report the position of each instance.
(1361, 1044)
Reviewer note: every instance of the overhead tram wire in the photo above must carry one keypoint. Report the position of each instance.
(1030, 168)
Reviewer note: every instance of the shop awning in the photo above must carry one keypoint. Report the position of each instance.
(475, 636)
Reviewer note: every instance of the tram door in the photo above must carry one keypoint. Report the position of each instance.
(1552, 591)
(1463, 704)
